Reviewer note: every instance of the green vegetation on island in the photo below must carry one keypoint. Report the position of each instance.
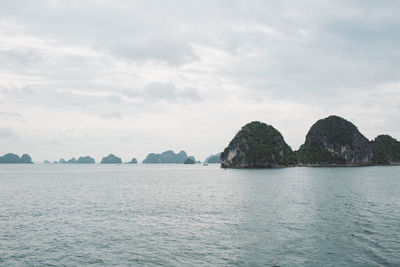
(133, 161)
(386, 150)
(71, 161)
(335, 141)
(166, 157)
(213, 159)
(86, 160)
(81, 160)
(11, 158)
(257, 145)
(111, 159)
(189, 161)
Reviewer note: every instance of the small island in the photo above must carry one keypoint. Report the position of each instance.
(334, 141)
(189, 161)
(257, 145)
(386, 150)
(81, 160)
(212, 159)
(168, 156)
(86, 160)
(133, 161)
(11, 158)
(111, 159)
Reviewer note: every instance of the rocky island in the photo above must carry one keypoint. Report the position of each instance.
(334, 141)
(213, 159)
(11, 158)
(168, 156)
(133, 161)
(81, 160)
(111, 159)
(86, 160)
(257, 145)
(189, 161)
(71, 161)
(386, 150)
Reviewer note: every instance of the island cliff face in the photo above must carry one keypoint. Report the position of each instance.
(334, 141)
(386, 150)
(257, 145)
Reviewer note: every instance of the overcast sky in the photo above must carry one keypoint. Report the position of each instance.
(134, 77)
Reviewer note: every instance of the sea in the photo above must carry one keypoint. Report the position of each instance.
(195, 215)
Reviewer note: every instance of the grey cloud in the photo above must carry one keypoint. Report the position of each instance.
(155, 47)
(6, 132)
(168, 92)
(18, 56)
(60, 98)
(235, 56)
(111, 115)
(10, 114)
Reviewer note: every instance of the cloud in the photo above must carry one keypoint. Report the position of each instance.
(10, 114)
(19, 57)
(112, 67)
(168, 92)
(111, 115)
(155, 47)
(6, 132)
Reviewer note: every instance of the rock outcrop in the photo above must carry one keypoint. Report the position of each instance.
(71, 161)
(26, 159)
(111, 159)
(11, 158)
(386, 150)
(133, 161)
(86, 160)
(257, 145)
(334, 141)
(189, 161)
(166, 157)
(213, 159)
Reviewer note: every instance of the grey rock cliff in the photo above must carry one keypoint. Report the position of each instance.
(335, 141)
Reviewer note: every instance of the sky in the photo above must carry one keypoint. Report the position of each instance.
(133, 77)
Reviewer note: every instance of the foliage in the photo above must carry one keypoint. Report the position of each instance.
(11, 158)
(326, 139)
(166, 157)
(189, 161)
(259, 145)
(308, 154)
(86, 160)
(213, 159)
(111, 159)
(386, 150)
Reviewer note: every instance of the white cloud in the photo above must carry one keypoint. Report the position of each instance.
(136, 77)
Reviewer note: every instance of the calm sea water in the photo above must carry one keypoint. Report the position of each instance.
(179, 215)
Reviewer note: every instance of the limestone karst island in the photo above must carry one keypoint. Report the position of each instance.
(332, 141)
